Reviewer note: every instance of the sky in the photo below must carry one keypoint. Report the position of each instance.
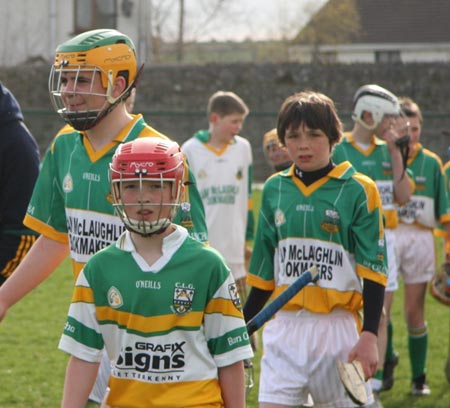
(250, 19)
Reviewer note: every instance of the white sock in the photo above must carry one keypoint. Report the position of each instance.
(376, 384)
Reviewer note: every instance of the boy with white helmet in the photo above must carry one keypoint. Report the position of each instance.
(92, 76)
(372, 146)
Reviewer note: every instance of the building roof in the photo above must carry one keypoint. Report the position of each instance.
(393, 21)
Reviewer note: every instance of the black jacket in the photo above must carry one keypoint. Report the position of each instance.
(19, 164)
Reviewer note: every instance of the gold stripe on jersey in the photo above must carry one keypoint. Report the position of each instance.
(322, 300)
(149, 324)
(195, 394)
(223, 306)
(367, 273)
(260, 283)
(82, 294)
(45, 229)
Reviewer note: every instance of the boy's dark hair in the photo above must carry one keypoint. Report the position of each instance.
(410, 108)
(226, 103)
(315, 110)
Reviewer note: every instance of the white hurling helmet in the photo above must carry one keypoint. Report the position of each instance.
(376, 100)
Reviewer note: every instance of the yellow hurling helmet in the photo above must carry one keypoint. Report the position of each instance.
(104, 52)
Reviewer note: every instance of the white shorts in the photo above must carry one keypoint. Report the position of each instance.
(300, 354)
(392, 281)
(238, 270)
(415, 253)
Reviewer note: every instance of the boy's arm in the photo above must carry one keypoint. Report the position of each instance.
(80, 378)
(403, 185)
(42, 259)
(232, 384)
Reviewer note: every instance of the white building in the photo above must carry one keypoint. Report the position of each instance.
(32, 29)
(384, 31)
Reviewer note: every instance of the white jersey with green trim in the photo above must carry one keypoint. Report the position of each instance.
(429, 203)
(335, 224)
(224, 182)
(166, 327)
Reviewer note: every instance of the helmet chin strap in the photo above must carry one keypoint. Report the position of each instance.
(148, 229)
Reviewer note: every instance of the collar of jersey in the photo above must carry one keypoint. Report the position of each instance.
(375, 139)
(204, 135)
(416, 153)
(171, 244)
(342, 171)
(122, 135)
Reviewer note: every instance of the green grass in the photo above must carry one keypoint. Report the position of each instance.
(32, 369)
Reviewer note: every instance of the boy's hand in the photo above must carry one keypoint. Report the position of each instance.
(366, 352)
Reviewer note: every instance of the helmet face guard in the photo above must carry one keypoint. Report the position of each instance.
(142, 161)
(78, 119)
(104, 54)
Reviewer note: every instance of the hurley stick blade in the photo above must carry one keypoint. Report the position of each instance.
(352, 376)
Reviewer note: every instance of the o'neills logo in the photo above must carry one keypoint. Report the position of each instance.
(141, 165)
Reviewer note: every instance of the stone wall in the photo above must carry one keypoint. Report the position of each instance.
(173, 98)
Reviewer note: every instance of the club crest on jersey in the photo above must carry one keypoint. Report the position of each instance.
(185, 206)
(234, 295)
(114, 298)
(280, 219)
(240, 173)
(67, 183)
(183, 296)
(331, 221)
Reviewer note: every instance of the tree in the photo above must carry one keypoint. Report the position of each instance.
(338, 22)
(194, 18)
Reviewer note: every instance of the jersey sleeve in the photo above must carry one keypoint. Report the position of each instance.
(442, 205)
(81, 336)
(261, 273)
(46, 210)
(191, 214)
(225, 329)
(368, 233)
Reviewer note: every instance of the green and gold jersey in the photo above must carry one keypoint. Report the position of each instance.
(167, 328)
(72, 202)
(429, 202)
(335, 224)
(374, 162)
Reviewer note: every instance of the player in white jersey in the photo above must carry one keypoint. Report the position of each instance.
(164, 305)
(221, 161)
(427, 207)
(91, 78)
(317, 213)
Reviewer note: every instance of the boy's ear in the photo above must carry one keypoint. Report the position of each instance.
(119, 86)
(213, 117)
